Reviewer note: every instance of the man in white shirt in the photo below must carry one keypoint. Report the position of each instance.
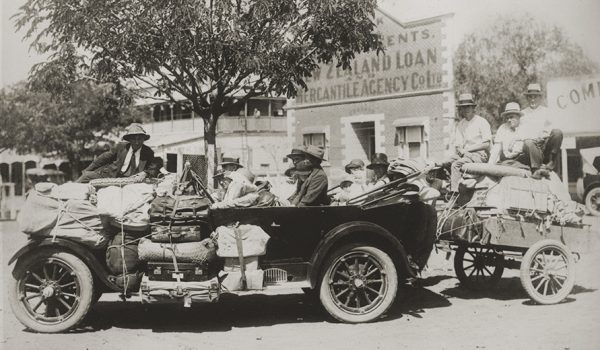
(472, 138)
(507, 143)
(541, 143)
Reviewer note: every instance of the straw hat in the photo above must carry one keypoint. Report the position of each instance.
(512, 108)
(465, 100)
(230, 159)
(135, 129)
(534, 89)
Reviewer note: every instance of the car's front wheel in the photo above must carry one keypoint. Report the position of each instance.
(592, 201)
(359, 283)
(50, 290)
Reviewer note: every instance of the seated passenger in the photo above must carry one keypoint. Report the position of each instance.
(313, 183)
(356, 168)
(130, 158)
(230, 162)
(239, 189)
(379, 165)
(472, 139)
(507, 143)
(401, 168)
(344, 194)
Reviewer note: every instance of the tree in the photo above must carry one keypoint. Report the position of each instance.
(216, 53)
(61, 125)
(498, 62)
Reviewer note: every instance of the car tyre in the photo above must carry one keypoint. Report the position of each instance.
(51, 291)
(592, 201)
(359, 283)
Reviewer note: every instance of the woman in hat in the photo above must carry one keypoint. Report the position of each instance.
(313, 183)
(129, 158)
(379, 165)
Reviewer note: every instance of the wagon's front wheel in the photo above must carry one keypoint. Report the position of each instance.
(359, 284)
(50, 290)
(548, 272)
(478, 267)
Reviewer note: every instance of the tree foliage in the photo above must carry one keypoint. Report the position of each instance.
(207, 50)
(497, 63)
(61, 125)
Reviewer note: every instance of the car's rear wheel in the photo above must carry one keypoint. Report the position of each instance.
(50, 290)
(359, 283)
(592, 201)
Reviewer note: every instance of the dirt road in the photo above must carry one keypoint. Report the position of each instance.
(439, 315)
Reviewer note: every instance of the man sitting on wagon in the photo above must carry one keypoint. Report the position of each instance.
(472, 139)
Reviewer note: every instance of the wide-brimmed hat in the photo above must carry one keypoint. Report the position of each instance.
(304, 167)
(378, 159)
(534, 89)
(465, 100)
(354, 164)
(227, 159)
(297, 151)
(135, 129)
(315, 151)
(512, 108)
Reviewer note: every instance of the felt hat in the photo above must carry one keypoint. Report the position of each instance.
(512, 108)
(378, 159)
(465, 100)
(315, 151)
(135, 129)
(297, 151)
(354, 164)
(230, 159)
(534, 89)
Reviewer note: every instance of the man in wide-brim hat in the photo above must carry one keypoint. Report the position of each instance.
(230, 162)
(313, 190)
(539, 137)
(126, 159)
(379, 165)
(472, 140)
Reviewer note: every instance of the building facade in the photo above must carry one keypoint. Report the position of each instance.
(399, 102)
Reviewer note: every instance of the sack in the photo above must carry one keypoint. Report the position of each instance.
(233, 264)
(176, 234)
(80, 221)
(131, 280)
(188, 206)
(197, 252)
(72, 190)
(233, 280)
(115, 258)
(39, 213)
(254, 241)
(127, 206)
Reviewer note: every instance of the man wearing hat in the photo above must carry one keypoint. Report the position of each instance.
(356, 168)
(472, 138)
(229, 162)
(126, 159)
(379, 165)
(541, 142)
(311, 189)
(507, 143)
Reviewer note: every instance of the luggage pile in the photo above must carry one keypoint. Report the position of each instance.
(65, 211)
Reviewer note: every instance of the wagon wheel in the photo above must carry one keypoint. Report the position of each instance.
(478, 267)
(50, 290)
(547, 272)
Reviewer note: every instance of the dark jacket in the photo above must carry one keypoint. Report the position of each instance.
(313, 191)
(109, 163)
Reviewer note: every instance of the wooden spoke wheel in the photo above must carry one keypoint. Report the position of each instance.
(51, 290)
(548, 272)
(478, 267)
(359, 284)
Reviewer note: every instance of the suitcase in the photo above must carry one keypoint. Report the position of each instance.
(187, 206)
(162, 271)
(175, 234)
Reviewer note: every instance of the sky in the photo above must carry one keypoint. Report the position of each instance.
(580, 20)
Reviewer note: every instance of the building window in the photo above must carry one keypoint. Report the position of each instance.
(411, 142)
(316, 139)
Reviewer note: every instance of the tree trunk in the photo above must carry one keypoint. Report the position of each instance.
(210, 148)
(75, 163)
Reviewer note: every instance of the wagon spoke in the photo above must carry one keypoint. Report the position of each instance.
(70, 295)
(537, 277)
(37, 306)
(366, 295)
(62, 276)
(472, 272)
(68, 284)
(33, 296)
(369, 273)
(37, 277)
(62, 301)
(343, 274)
(488, 271)
(546, 287)
(29, 285)
(372, 290)
(468, 267)
(375, 281)
(560, 285)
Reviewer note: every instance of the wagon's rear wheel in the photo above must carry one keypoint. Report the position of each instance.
(359, 284)
(50, 290)
(478, 267)
(548, 272)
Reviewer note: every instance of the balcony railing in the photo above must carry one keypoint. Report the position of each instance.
(224, 125)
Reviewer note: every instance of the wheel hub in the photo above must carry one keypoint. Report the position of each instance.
(48, 291)
(359, 283)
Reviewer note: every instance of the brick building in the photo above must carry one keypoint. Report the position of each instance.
(400, 102)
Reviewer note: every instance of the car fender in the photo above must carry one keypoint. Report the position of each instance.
(324, 248)
(79, 250)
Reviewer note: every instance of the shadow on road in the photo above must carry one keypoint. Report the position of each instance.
(240, 311)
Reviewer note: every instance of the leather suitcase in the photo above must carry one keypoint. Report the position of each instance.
(175, 234)
(162, 271)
